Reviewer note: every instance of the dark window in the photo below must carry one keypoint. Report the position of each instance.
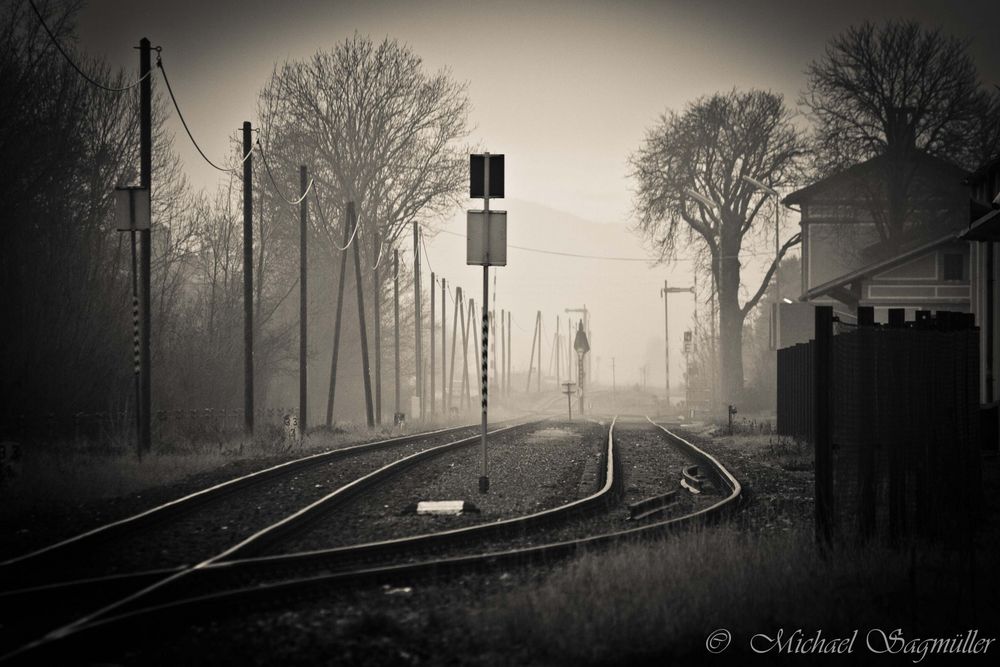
(954, 266)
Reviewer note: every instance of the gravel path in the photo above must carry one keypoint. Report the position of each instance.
(529, 472)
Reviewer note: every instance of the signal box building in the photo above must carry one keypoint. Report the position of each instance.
(847, 261)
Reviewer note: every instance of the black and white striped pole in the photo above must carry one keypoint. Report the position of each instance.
(484, 479)
(486, 245)
(132, 214)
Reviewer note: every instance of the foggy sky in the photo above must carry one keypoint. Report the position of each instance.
(566, 90)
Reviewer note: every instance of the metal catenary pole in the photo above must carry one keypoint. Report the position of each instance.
(248, 403)
(146, 248)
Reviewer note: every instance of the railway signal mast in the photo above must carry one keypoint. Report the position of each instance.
(582, 347)
(486, 246)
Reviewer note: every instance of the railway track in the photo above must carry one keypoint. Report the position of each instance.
(40, 566)
(29, 602)
(238, 580)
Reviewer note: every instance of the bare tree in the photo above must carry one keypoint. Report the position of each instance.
(708, 149)
(374, 128)
(900, 92)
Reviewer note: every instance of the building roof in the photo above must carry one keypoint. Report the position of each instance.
(838, 285)
(986, 228)
(803, 195)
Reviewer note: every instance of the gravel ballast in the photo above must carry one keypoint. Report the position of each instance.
(427, 622)
(529, 471)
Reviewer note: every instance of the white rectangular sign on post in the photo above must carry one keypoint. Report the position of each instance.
(479, 249)
(131, 209)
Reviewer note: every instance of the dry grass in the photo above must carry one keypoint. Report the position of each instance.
(79, 472)
(657, 600)
(782, 451)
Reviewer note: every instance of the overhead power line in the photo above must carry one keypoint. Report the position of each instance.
(648, 260)
(326, 224)
(277, 188)
(159, 63)
(566, 254)
(72, 64)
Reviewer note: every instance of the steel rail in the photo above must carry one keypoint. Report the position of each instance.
(146, 518)
(287, 526)
(339, 556)
(269, 593)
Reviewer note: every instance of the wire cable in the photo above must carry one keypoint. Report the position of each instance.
(565, 254)
(277, 188)
(319, 207)
(159, 63)
(427, 257)
(72, 64)
(648, 260)
(378, 260)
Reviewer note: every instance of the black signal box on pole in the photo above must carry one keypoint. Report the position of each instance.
(476, 176)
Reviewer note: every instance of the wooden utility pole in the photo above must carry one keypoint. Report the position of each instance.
(377, 305)
(145, 407)
(418, 349)
(303, 294)
(466, 325)
(508, 353)
(538, 323)
(454, 343)
(431, 369)
(493, 349)
(336, 323)
(248, 402)
(444, 346)
(569, 349)
(558, 353)
(476, 343)
(531, 361)
(395, 313)
(503, 353)
(365, 368)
